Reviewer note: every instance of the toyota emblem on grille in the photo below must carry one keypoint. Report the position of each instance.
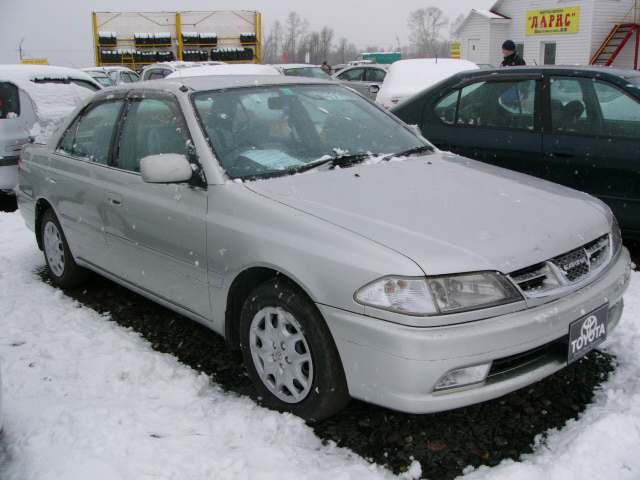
(575, 263)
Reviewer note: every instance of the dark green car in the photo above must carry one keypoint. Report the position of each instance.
(577, 126)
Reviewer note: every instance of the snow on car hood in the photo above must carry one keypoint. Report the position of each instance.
(52, 102)
(447, 213)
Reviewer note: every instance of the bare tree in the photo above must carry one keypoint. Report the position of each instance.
(296, 28)
(273, 45)
(454, 26)
(425, 25)
(311, 45)
(326, 42)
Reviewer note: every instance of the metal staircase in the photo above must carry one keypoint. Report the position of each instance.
(618, 38)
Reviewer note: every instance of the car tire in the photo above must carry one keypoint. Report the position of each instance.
(62, 267)
(290, 353)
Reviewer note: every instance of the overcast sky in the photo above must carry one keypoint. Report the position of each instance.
(63, 33)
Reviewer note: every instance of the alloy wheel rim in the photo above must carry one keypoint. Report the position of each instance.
(54, 249)
(281, 354)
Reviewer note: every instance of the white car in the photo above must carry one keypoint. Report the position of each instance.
(117, 74)
(158, 71)
(408, 77)
(34, 99)
(362, 77)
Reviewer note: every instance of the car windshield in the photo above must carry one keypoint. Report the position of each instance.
(271, 131)
(313, 72)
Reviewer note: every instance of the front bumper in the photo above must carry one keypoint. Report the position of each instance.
(397, 366)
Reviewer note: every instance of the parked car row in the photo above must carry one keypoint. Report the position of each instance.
(576, 126)
(342, 253)
(255, 200)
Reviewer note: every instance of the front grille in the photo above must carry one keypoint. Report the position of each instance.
(566, 270)
(574, 265)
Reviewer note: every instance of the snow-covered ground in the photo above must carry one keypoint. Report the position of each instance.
(87, 399)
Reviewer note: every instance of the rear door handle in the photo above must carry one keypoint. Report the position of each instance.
(564, 153)
(115, 200)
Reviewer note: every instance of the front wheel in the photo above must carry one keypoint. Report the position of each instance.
(63, 268)
(290, 353)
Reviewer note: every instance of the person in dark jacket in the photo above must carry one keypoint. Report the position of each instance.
(511, 57)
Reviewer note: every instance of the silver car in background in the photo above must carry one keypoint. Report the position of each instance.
(341, 252)
(363, 78)
(117, 74)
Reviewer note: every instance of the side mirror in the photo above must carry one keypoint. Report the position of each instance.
(165, 168)
(374, 88)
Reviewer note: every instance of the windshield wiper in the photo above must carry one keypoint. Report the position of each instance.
(342, 161)
(411, 151)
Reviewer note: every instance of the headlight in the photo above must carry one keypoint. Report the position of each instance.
(404, 295)
(616, 237)
(438, 295)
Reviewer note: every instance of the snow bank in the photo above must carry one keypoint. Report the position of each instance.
(605, 441)
(87, 399)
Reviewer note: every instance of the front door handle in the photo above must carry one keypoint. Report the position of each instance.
(115, 200)
(441, 144)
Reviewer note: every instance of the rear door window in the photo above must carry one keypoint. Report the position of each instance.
(9, 100)
(354, 75)
(593, 107)
(90, 135)
(620, 111)
(375, 75)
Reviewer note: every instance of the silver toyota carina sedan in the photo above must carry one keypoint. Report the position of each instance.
(340, 251)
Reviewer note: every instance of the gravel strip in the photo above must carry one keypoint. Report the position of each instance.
(444, 443)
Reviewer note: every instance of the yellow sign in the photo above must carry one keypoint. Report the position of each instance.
(455, 50)
(554, 20)
(34, 61)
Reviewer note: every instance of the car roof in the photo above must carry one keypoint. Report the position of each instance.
(105, 68)
(294, 65)
(383, 66)
(25, 74)
(545, 68)
(221, 70)
(177, 85)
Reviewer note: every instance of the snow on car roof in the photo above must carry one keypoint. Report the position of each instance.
(239, 69)
(406, 77)
(52, 101)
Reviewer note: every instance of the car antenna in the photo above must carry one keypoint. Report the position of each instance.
(183, 87)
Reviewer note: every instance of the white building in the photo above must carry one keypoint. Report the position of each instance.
(560, 32)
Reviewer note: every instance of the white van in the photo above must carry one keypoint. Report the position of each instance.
(34, 99)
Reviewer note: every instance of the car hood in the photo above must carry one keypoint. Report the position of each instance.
(447, 213)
